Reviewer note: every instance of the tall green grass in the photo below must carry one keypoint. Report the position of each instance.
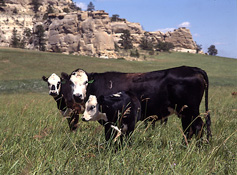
(35, 139)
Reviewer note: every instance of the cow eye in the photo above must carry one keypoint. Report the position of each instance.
(92, 107)
(86, 82)
(58, 84)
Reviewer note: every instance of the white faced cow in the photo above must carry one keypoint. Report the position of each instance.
(59, 88)
(118, 111)
(179, 90)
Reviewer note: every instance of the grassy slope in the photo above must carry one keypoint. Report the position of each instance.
(35, 139)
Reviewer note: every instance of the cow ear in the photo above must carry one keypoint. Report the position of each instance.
(65, 75)
(44, 78)
(101, 99)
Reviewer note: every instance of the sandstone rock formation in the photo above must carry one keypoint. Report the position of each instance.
(81, 32)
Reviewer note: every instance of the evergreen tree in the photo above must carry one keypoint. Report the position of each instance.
(198, 48)
(49, 10)
(115, 17)
(15, 40)
(66, 10)
(36, 5)
(40, 37)
(126, 41)
(2, 3)
(90, 7)
(146, 44)
(26, 37)
(212, 50)
(164, 46)
(73, 6)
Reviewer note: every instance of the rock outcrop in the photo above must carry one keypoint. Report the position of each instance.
(81, 32)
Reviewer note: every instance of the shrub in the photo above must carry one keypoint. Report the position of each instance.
(165, 46)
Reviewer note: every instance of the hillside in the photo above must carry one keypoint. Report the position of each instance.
(20, 70)
(71, 31)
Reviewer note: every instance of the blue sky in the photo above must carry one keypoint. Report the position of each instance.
(210, 21)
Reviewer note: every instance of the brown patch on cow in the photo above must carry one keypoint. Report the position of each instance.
(234, 94)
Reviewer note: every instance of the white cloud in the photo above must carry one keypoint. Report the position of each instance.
(82, 5)
(166, 30)
(220, 43)
(196, 35)
(185, 24)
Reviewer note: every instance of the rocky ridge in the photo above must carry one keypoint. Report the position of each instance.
(82, 32)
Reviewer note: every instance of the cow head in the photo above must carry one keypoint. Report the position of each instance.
(54, 84)
(91, 112)
(79, 81)
(60, 86)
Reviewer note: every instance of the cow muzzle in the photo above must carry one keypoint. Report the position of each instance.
(53, 93)
(84, 119)
(78, 98)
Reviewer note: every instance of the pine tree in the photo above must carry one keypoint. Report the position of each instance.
(36, 5)
(126, 41)
(2, 3)
(146, 44)
(49, 10)
(40, 37)
(90, 7)
(115, 17)
(15, 40)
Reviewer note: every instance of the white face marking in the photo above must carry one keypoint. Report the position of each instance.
(91, 112)
(80, 82)
(54, 84)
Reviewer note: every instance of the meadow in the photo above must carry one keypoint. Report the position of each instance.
(35, 139)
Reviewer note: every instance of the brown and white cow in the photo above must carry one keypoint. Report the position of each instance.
(59, 89)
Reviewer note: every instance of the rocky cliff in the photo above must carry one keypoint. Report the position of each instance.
(81, 32)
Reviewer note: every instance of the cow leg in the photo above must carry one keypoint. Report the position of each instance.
(75, 121)
(197, 126)
(108, 131)
(72, 121)
(186, 123)
(192, 123)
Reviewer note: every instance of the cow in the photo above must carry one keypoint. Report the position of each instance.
(176, 90)
(59, 89)
(118, 111)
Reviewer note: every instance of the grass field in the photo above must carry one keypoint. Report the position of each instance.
(34, 139)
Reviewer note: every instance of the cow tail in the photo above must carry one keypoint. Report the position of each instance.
(208, 117)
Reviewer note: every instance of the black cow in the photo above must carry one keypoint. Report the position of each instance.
(118, 111)
(59, 89)
(177, 90)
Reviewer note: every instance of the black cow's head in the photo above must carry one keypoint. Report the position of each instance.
(54, 84)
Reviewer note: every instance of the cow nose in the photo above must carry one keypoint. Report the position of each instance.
(83, 119)
(78, 95)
